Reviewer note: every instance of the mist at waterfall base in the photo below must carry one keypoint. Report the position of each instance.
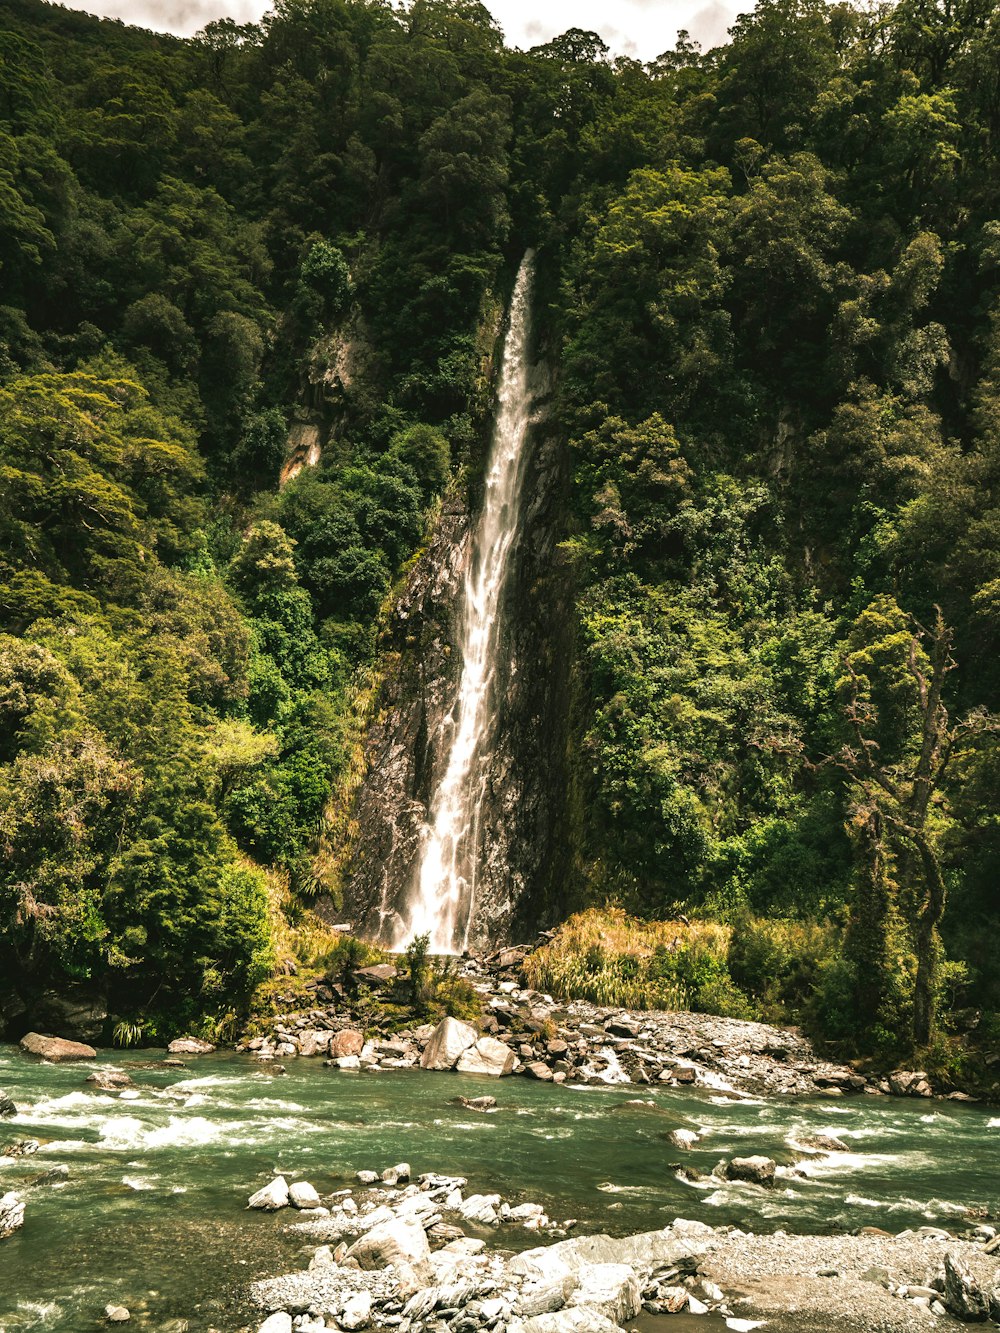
(152, 1214)
(442, 897)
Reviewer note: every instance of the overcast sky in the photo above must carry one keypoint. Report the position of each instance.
(640, 28)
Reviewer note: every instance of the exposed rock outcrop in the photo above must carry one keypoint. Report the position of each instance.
(56, 1049)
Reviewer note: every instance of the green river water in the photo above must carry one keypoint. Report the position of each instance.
(152, 1215)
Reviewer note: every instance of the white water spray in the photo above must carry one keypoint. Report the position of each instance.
(443, 895)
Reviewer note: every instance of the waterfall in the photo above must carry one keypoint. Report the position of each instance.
(443, 893)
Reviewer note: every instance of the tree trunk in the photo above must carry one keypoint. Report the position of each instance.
(926, 940)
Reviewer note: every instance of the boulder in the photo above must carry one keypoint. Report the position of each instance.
(401, 1242)
(753, 1170)
(575, 1319)
(279, 1322)
(481, 1208)
(346, 1043)
(190, 1046)
(7, 1107)
(116, 1314)
(378, 976)
(611, 1289)
(396, 1175)
(538, 1069)
(448, 1041)
(302, 1195)
(675, 1246)
(487, 1056)
(682, 1138)
(476, 1103)
(545, 1297)
(910, 1083)
(11, 1215)
(357, 1312)
(56, 1049)
(273, 1196)
(23, 1148)
(963, 1296)
(109, 1080)
(820, 1143)
(313, 1042)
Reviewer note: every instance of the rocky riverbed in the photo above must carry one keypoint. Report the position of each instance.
(435, 1255)
(522, 1031)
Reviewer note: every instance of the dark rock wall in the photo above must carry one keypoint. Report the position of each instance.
(522, 855)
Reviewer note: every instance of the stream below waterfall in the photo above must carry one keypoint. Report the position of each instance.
(152, 1214)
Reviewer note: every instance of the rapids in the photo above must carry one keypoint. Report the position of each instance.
(152, 1214)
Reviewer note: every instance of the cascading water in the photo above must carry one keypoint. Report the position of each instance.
(443, 893)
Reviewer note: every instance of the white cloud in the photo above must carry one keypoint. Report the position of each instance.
(639, 28)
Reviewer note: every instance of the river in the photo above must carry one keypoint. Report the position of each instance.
(152, 1213)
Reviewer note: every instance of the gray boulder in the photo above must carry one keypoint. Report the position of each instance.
(487, 1056)
(190, 1046)
(963, 1296)
(576, 1319)
(303, 1195)
(401, 1242)
(753, 1170)
(11, 1215)
(611, 1289)
(56, 1049)
(450, 1039)
(271, 1197)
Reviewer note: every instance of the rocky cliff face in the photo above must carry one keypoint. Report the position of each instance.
(522, 842)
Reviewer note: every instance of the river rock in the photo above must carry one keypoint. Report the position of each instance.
(481, 1208)
(56, 1049)
(271, 1197)
(546, 1297)
(487, 1056)
(313, 1042)
(401, 1242)
(190, 1046)
(346, 1043)
(116, 1314)
(450, 1039)
(279, 1322)
(109, 1080)
(575, 1319)
(7, 1106)
(23, 1148)
(476, 1103)
(357, 1312)
(611, 1289)
(819, 1143)
(540, 1070)
(396, 1175)
(910, 1083)
(11, 1215)
(677, 1246)
(963, 1295)
(753, 1170)
(682, 1138)
(303, 1195)
(55, 1175)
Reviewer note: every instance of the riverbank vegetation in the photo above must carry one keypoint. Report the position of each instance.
(769, 281)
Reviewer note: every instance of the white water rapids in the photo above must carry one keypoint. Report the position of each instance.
(443, 894)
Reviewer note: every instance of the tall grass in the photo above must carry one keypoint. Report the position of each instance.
(614, 959)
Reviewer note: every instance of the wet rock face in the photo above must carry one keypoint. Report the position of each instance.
(522, 841)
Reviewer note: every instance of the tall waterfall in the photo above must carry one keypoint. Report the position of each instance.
(443, 894)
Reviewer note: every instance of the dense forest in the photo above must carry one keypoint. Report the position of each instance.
(769, 280)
